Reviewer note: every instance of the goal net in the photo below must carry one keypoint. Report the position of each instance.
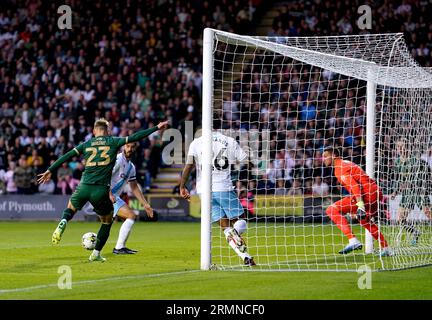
(284, 100)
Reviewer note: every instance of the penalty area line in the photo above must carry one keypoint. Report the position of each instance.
(84, 282)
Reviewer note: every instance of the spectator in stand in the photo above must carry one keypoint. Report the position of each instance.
(2, 182)
(125, 63)
(272, 175)
(63, 171)
(300, 18)
(47, 188)
(23, 177)
(147, 173)
(427, 156)
(8, 178)
(296, 189)
(36, 168)
(35, 159)
(78, 171)
(280, 190)
(247, 201)
(3, 154)
(136, 67)
(320, 188)
(156, 153)
(67, 184)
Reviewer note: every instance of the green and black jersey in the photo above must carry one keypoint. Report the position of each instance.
(412, 176)
(100, 156)
(413, 181)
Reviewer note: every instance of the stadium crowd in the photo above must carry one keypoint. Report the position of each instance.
(138, 62)
(304, 117)
(324, 17)
(134, 62)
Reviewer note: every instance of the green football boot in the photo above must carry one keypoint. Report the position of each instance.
(96, 257)
(56, 236)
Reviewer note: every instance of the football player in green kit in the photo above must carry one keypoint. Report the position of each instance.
(100, 153)
(413, 182)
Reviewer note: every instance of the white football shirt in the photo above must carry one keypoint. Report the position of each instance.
(226, 151)
(123, 172)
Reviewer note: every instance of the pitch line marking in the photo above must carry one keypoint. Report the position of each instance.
(83, 282)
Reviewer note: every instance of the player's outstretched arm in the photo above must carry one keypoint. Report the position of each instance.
(46, 176)
(144, 133)
(136, 190)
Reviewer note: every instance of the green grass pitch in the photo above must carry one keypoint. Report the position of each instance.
(167, 267)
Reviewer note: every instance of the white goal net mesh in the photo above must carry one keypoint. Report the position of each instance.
(285, 100)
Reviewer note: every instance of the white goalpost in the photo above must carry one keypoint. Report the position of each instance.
(370, 147)
(207, 117)
(284, 100)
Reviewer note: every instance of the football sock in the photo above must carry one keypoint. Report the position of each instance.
(102, 236)
(232, 244)
(227, 231)
(340, 221)
(242, 255)
(240, 226)
(374, 231)
(353, 240)
(124, 232)
(68, 214)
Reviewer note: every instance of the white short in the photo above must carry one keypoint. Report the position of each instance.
(118, 204)
(225, 204)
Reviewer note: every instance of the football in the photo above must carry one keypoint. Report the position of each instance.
(89, 240)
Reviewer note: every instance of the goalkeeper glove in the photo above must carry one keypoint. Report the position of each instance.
(361, 210)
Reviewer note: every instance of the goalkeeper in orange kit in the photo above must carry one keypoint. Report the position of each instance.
(362, 203)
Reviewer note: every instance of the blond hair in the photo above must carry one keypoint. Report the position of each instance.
(101, 123)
